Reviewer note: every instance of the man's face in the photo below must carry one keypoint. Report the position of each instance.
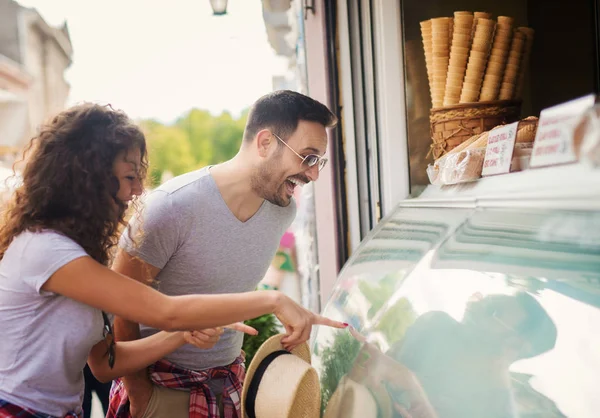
(497, 328)
(282, 170)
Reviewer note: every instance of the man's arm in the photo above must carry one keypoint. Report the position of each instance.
(138, 385)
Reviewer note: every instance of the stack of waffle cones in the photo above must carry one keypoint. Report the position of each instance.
(459, 53)
(472, 58)
(440, 31)
(498, 58)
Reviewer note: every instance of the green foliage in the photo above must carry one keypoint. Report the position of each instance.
(169, 150)
(195, 140)
(337, 361)
(379, 292)
(267, 326)
(394, 322)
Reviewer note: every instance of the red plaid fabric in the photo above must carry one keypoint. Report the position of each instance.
(9, 410)
(203, 402)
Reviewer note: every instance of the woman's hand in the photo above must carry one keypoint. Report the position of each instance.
(204, 338)
(298, 321)
(207, 338)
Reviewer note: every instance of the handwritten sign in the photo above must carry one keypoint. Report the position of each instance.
(554, 137)
(499, 150)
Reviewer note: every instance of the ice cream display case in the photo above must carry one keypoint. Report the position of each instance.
(472, 302)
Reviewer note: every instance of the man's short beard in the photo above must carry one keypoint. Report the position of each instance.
(261, 181)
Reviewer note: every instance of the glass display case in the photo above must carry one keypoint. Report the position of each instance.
(468, 310)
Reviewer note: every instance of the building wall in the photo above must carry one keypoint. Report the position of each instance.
(9, 30)
(324, 189)
(34, 62)
(37, 77)
(13, 78)
(46, 62)
(14, 84)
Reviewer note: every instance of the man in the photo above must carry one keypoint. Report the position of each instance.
(463, 367)
(216, 230)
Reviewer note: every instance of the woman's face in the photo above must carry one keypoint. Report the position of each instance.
(126, 169)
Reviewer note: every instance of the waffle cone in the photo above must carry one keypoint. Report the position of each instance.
(487, 95)
(511, 73)
(501, 48)
(504, 33)
(462, 40)
(463, 20)
(468, 96)
(478, 57)
(509, 80)
(459, 53)
(456, 71)
(528, 33)
(427, 36)
(492, 81)
(484, 15)
(474, 80)
(505, 21)
(495, 69)
(476, 64)
(476, 17)
(457, 64)
(441, 56)
(455, 83)
(507, 91)
(459, 50)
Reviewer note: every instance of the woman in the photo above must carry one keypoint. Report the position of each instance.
(82, 171)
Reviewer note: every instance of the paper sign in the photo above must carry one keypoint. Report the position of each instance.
(499, 150)
(554, 137)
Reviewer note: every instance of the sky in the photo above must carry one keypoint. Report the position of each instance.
(160, 59)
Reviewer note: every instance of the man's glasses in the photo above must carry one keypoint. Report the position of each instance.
(310, 160)
(109, 337)
(502, 323)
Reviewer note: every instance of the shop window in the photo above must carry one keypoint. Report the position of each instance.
(563, 63)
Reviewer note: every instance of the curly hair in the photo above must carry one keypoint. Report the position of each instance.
(68, 184)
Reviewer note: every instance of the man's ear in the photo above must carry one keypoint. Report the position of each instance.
(264, 140)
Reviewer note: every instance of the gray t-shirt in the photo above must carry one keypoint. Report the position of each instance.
(46, 338)
(202, 248)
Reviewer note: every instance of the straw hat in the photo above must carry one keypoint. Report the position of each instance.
(353, 400)
(280, 384)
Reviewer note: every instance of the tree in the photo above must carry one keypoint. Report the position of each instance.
(198, 125)
(168, 151)
(195, 140)
(227, 136)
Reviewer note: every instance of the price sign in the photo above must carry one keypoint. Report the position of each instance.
(554, 137)
(499, 150)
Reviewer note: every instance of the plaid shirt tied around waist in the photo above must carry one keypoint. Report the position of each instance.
(203, 402)
(9, 410)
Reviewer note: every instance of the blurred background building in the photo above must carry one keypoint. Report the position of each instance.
(33, 60)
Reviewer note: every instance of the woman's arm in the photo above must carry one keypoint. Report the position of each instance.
(132, 356)
(89, 282)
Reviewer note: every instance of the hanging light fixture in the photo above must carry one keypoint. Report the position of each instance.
(219, 7)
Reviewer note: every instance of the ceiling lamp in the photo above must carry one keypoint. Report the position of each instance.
(219, 7)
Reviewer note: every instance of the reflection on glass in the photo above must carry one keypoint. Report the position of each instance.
(497, 318)
(336, 361)
(464, 366)
(382, 262)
